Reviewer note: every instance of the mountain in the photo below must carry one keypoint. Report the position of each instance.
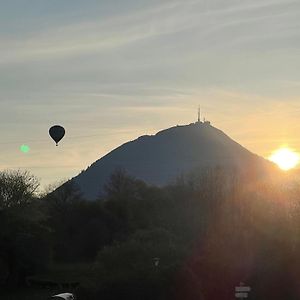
(158, 159)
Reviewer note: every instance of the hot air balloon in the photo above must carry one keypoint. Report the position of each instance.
(57, 132)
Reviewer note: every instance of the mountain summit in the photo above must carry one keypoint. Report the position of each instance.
(158, 159)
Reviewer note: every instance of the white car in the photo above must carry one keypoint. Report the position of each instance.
(64, 296)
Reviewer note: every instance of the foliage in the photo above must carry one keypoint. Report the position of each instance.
(24, 247)
(79, 228)
(208, 231)
(142, 267)
(16, 188)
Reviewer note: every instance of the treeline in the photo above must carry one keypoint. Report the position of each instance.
(195, 239)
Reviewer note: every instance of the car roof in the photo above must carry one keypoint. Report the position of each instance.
(66, 296)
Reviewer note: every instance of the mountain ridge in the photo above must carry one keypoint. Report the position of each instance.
(158, 159)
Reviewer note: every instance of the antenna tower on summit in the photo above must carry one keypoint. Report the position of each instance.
(204, 122)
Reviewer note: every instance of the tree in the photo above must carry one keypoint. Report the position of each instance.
(142, 267)
(80, 228)
(23, 237)
(17, 188)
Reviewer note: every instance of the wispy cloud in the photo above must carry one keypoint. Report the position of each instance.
(97, 35)
(233, 23)
(110, 73)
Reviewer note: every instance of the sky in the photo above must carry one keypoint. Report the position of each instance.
(110, 71)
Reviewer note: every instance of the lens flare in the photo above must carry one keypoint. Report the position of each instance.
(25, 148)
(285, 158)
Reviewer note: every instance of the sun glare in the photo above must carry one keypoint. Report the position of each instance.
(285, 158)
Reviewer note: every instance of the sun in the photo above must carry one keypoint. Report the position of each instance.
(285, 158)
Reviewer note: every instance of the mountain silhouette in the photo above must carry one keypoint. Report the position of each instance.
(158, 159)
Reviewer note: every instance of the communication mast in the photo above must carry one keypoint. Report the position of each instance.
(199, 114)
(205, 121)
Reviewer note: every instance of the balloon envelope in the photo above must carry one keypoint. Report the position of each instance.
(57, 133)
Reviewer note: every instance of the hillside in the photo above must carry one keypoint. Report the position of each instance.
(159, 158)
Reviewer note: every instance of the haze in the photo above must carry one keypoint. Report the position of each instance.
(109, 71)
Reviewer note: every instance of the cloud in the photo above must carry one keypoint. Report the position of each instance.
(212, 23)
(111, 72)
(95, 36)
